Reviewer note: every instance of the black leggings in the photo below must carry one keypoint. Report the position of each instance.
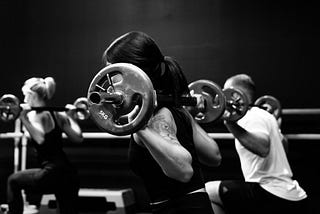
(251, 198)
(188, 204)
(64, 184)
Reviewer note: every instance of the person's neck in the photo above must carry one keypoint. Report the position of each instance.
(39, 104)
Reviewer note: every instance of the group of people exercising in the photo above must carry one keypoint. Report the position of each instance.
(169, 151)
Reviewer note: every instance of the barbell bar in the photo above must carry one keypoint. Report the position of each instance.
(116, 91)
(10, 108)
(103, 135)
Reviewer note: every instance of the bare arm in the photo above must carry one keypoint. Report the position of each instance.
(70, 127)
(159, 137)
(36, 125)
(257, 143)
(207, 148)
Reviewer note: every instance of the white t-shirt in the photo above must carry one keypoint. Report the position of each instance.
(273, 172)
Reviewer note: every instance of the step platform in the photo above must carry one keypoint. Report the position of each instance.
(96, 201)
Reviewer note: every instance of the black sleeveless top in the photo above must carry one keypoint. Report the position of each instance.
(158, 185)
(50, 152)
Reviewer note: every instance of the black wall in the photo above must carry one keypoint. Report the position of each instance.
(276, 42)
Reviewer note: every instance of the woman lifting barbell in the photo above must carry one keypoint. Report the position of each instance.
(166, 153)
(56, 175)
(10, 108)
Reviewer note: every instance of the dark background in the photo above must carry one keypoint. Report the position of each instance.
(276, 42)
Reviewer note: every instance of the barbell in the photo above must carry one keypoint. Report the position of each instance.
(10, 108)
(116, 91)
(237, 104)
(270, 104)
(229, 104)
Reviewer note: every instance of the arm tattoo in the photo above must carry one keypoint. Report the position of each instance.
(163, 127)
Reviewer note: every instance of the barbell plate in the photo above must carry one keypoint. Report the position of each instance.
(236, 104)
(82, 108)
(136, 89)
(214, 100)
(270, 104)
(9, 107)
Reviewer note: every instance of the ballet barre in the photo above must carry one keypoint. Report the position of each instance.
(299, 111)
(103, 135)
(222, 136)
(11, 135)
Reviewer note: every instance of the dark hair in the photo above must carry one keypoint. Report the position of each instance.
(140, 49)
(244, 81)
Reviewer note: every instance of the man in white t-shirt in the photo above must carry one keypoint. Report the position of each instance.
(268, 186)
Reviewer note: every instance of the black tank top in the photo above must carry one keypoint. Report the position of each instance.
(158, 185)
(50, 152)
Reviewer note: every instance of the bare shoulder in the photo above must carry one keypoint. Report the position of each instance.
(61, 118)
(42, 120)
(165, 112)
(59, 115)
(41, 117)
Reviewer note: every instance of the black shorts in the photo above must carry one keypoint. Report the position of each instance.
(188, 204)
(244, 197)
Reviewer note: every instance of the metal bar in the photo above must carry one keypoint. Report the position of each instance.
(301, 111)
(50, 108)
(185, 101)
(16, 157)
(103, 135)
(10, 135)
(24, 143)
(303, 136)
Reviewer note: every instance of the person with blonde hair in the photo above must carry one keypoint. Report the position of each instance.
(56, 173)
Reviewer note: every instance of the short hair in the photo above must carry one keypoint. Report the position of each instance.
(244, 81)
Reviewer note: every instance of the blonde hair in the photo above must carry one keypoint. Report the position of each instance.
(44, 87)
